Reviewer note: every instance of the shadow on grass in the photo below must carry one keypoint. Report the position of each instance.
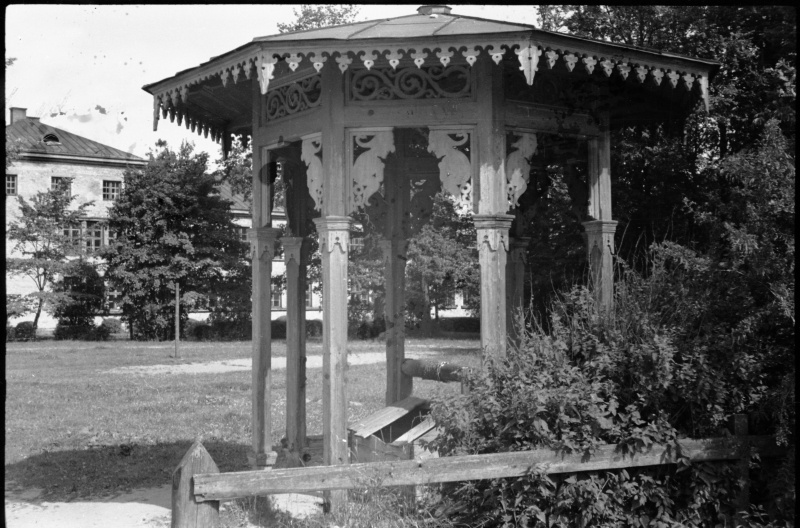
(109, 470)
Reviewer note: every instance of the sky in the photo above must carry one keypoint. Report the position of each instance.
(81, 68)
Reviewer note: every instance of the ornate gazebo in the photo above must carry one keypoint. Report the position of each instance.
(344, 110)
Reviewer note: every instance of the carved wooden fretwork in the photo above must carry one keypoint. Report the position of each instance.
(311, 154)
(293, 98)
(381, 84)
(265, 60)
(451, 148)
(518, 165)
(529, 59)
(369, 149)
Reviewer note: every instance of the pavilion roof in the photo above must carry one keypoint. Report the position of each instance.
(222, 102)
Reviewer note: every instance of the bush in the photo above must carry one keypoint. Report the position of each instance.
(460, 324)
(114, 325)
(313, 328)
(25, 331)
(11, 333)
(649, 372)
(101, 332)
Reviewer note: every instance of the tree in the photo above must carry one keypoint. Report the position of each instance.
(171, 228)
(45, 235)
(317, 16)
(83, 292)
(442, 260)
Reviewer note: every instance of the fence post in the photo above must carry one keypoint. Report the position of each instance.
(740, 430)
(186, 512)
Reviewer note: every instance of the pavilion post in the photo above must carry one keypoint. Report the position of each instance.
(398, 384)
(333, 228)
(600, 230)
(262, 240)
(515, 284)
(491, 220)
(295, 250)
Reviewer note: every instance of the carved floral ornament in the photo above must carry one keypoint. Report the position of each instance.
(369, 149)
(528, 53)
(455, 169)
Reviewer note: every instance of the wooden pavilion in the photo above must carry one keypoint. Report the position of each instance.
(345, 109)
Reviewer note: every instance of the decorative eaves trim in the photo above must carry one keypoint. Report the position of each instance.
(533, 51)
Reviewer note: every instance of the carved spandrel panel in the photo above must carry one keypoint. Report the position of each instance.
(311, 154)
(292, 98)
(521, 148)
(410, 83)
(369, 150)
(452, 149)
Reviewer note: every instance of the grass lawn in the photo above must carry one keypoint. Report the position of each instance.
(76, 430)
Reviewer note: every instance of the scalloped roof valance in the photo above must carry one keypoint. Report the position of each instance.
(422, 39)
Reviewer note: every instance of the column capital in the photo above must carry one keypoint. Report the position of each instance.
(293, 248)
(600, 227)
(262, 241)
(333, 231)
(493, 230)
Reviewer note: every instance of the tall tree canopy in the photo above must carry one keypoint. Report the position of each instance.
(313, 16)
(170, 226)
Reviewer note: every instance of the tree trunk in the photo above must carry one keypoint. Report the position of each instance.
(36, 319)
(426, 325)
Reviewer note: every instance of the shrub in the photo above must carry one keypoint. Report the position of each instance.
(101, 332)
(460, 324)
(313, 328)
(11, 333)
(25, 331)
(649, 372)
(113, 324)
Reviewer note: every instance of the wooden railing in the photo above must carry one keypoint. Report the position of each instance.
(198, 487)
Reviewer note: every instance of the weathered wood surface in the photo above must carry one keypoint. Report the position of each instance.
(432, 370)
(470, 467)
(386, 416)
(415, 432)
(186, 513)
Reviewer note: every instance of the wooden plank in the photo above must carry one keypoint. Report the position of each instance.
(373, 449)
(386, 416)
(432, 370)
(186, 512)
(453, 469)
(415, 432)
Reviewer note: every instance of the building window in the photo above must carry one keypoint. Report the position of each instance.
(11, 184)
(111, 190)
(243, 234)
(60, 183)
(309, 297)
(72, 234)
(277, 300)
(93, 236)
(113, 301)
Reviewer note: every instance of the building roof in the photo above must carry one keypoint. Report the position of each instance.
(238, 203)
(37, 138)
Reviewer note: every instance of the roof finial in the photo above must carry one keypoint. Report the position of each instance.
(434, 9)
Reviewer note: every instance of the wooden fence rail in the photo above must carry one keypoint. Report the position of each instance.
(211, 487)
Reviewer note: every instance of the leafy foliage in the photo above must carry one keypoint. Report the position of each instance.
(442, 259)
(84, 291)
(42, 236)
(313, 16)
(171, 227)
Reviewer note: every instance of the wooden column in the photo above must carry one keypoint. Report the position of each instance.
(491, 195)
(262, 243)
(334, 241)
(492, 254)
(515, 284)
(295, 250)
(333, 228)
(398, 384)
(600, 230)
